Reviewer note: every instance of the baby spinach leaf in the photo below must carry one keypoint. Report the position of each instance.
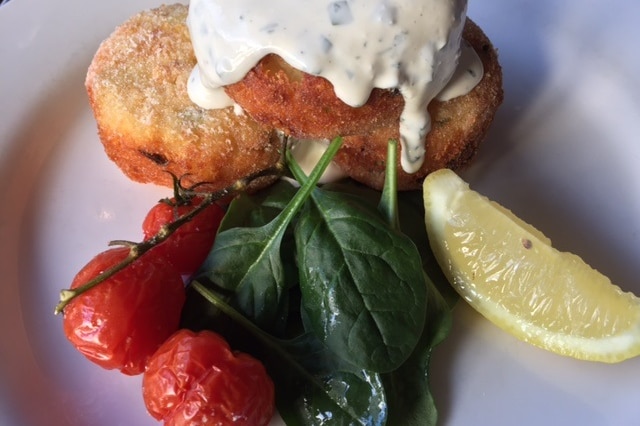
(408, 389)
(363, 290)
(314, 356)
(330, 391)
(342, 399)
(364, 358)
(247, 259)
(253, 210)
(412, 220)
(408, 394)
(258, 209)
(311, 392)
(411, 214)
(362, 284)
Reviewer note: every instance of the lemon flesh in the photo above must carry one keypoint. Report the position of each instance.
(508, 271)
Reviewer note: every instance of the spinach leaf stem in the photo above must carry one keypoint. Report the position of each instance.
(389, 200)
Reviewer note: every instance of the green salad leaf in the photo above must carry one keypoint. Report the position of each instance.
(408, 388)
(311, 387)
(336, 290)
(247, 260)
(362, 284)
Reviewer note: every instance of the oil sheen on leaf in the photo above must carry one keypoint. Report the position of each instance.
(362, 284)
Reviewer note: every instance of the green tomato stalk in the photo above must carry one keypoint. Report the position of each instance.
(136, 250)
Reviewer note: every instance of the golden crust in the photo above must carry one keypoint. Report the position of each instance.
(148, 125)
(458, 127)
(306, 106)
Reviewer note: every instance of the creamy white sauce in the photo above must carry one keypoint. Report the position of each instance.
(307, 153)
(204, 96)
(358, 45)
(467, 75)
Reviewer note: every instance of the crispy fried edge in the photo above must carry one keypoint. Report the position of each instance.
(148, 125)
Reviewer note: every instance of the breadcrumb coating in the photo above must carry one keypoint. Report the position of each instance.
(148, 125)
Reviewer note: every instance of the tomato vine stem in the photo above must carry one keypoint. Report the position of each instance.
(136, 250)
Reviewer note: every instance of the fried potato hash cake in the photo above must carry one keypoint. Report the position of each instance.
(305, 106)
(148, 125)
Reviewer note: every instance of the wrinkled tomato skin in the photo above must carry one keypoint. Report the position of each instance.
(121, 322)
(187, 247)
(196, 379)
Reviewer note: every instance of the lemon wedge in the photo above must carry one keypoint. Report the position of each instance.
(509, 272)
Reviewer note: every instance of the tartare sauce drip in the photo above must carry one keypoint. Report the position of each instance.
(358, 45)
(467, 75)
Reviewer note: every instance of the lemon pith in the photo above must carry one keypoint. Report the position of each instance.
(510, 273)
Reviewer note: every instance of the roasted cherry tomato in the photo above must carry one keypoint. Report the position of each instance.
(188, 247)
(121, 322)
(195, 379)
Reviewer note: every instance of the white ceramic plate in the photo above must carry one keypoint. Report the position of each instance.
(563, 154)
